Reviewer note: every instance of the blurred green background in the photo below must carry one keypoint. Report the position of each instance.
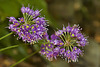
(86, 13)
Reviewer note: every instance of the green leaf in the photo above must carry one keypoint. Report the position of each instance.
(24, 58)
(6, 36)
(8, 47)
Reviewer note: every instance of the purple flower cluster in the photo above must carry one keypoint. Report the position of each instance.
(30, 27)
(66, 43)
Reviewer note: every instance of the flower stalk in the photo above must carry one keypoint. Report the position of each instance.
(6, 36)
(24, 58)
(8, 47)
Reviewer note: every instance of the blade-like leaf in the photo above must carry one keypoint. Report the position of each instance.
(8, 47)
(6, 35)
(24, 58)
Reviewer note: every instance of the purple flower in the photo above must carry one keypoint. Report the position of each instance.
(12, 19)
(68, 54)
(16, 24)
(62, 51)
(36, 13)
(73, 57)
(43, 49)
(64, 29)
(46, 36)
(49, 46)
(67, 43)
(30, 12)
(21, 19)
(58, 33)
(23, 9)
(49, 55)
(56, 52)
(68, 28)
(27, 9)
(29, 29)
(53, 37)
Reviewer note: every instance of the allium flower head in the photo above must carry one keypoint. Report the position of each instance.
(66, 43)
(31, 27)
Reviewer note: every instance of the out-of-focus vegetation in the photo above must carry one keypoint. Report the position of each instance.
(86, 13)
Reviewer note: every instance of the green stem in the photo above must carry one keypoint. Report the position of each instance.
(68, 36)
(65, 36)
(71, 48)
(8, 47)
(6, 35)
(68, 47)
(30, 18)
(24, 58)
(62, 39)
(24, 15)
